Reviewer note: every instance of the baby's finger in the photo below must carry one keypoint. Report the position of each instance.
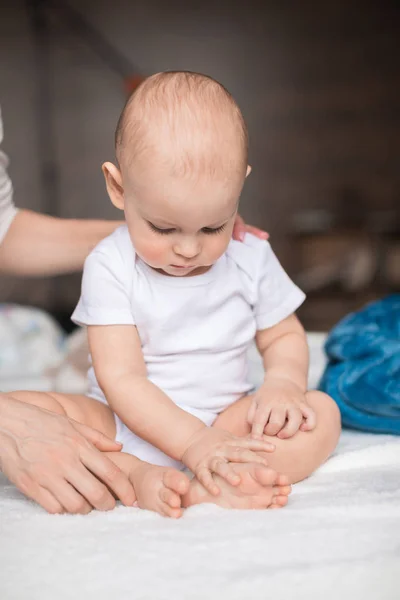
(203, 474)
(243, 455)
(251, 413)
(294, 420)
(276, 421)
(260, 419)
(262, 445)
(310, 418)
(225, 470)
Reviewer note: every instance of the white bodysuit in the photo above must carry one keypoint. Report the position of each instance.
(195, 331)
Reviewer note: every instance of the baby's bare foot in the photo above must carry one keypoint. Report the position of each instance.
(260, 487)
(159, 488)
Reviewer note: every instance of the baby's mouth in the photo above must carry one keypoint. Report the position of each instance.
(182, 266)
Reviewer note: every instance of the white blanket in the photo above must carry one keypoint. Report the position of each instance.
(339, 538)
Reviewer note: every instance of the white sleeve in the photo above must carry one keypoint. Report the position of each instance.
(277, 297)
(7, 208)
(105, 295)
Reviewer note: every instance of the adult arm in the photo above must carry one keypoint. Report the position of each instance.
(37, 244)
(40, 450)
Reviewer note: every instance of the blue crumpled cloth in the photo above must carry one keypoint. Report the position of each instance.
(363, 372)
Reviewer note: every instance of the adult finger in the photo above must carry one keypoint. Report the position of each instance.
(95, 492)
(30, 488)
(95, 437)
(106, 471)
(239, 229)
(294, 421)
(276, 421)
(71, 500)
(262, 235)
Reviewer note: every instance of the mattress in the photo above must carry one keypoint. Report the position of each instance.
(339, 537)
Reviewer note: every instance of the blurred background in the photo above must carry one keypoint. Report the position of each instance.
(318, 83)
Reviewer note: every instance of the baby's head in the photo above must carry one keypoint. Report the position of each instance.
(181, 145)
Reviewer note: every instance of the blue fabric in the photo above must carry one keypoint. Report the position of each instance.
(363, 372)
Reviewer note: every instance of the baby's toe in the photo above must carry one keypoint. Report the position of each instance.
(169, 511)
(265, 476)
(279, 501)
(280, 495)
(176, 481)
(282, 480)
(283, 490)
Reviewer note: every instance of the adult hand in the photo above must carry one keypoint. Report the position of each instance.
(58, 462)
(240, 229)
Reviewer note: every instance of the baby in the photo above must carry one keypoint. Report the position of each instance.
(171, 306)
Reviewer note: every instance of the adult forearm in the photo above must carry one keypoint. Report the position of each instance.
(151, 414)
(13, 427)
(40, 245)
(4, 432)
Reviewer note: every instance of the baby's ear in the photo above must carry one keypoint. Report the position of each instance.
(113, 178)
(248, 170)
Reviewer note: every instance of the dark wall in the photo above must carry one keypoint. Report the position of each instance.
(318, 83)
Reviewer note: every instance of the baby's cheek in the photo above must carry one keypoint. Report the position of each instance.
(216, 246)
(152, 251)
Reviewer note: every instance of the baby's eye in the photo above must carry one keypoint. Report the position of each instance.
(161, 231)
(210, 231)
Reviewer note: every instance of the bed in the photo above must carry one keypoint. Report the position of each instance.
(339, 537)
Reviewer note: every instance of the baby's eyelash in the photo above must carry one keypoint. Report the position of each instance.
(210, 231)
(206, 230)
(161, 231)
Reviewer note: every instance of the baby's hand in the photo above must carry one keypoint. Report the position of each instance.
(280, 408)
(211, 450)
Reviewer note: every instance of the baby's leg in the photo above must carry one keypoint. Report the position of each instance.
(156, 488)
(81, 408)
(296, 457)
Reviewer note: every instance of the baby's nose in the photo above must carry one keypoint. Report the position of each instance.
(188, 248)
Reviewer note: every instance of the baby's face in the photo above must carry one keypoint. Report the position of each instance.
(178, 226)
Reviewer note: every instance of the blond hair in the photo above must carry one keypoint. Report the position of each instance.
(187, 119)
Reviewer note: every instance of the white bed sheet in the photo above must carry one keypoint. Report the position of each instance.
(339, 538)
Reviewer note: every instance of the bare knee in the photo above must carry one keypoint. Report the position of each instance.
(328, 418)
(234, 418)
(41, 400)
(326, 409)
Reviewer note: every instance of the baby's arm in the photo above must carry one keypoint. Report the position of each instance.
(280, 406)
(121, 373)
